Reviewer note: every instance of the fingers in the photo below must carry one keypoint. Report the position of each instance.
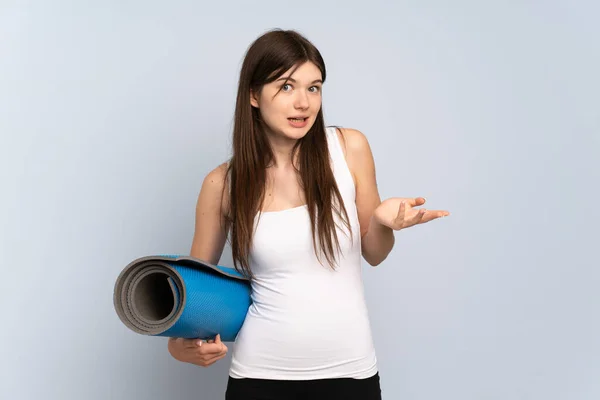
(401, 211)
(209, 353)
(209, 359)
(185, 343)
(217, 345)
(212, 348)
(408, 216)
(219, 342)
(208, 345)
(417, 219)
(191, 343)
(401, 217)
(197, 351)
(430, 215)
(417, 201)
(420, 216)
(438, 213)
(203, 362)
(217, 339)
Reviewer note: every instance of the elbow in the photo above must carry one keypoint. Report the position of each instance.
(378, 255)
(375, 260)
(375, 250)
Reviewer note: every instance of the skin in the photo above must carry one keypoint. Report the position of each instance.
(378, 219)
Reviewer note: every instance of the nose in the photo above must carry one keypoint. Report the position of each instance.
(301, 100)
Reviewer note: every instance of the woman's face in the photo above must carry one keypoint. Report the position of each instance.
(290, 110)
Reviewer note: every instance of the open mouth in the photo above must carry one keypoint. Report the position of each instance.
(298, 119)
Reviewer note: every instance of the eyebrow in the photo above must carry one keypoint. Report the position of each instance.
(294, 81)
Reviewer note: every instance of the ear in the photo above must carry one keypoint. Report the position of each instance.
(254, 99)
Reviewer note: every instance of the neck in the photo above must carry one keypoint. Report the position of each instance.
(282, 152)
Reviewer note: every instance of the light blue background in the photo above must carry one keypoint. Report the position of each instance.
(112, 112)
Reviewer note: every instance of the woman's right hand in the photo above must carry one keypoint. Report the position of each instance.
(196, 351)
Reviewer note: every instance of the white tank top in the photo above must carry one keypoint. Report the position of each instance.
(306, 320)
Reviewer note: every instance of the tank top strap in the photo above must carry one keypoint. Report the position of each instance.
(341, 170)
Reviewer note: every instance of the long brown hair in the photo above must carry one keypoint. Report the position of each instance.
(267, 58)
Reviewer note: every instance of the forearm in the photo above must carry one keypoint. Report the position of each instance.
(377, 243)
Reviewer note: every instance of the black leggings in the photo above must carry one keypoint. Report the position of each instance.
(330, 389)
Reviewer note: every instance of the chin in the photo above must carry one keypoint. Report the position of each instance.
(296, 134)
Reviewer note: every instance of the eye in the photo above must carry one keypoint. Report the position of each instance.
(287, 87)
(315, 89)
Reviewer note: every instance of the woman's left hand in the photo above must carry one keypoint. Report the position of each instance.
(400, 213)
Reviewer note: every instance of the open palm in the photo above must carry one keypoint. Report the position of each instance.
(400, 212)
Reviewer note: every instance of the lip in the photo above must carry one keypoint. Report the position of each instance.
(301, 123)
(299, 117)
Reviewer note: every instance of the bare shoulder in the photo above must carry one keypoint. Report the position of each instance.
(353, 140)
(214, 184)
(210, 227)
(216, 178)
(362, 167)
(356, 150)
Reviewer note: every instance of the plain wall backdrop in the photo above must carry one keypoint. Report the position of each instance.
(112, 112)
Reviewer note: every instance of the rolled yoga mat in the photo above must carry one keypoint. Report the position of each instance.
(181, 296)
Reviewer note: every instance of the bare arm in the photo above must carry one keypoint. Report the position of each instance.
(207, 245)
(377, 239)
(210, 233)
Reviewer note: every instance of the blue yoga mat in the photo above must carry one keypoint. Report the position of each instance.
(181, 296)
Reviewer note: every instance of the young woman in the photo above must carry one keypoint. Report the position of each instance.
(299, 204)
